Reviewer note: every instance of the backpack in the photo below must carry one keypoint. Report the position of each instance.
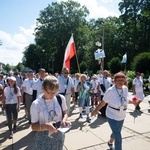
(60, 103)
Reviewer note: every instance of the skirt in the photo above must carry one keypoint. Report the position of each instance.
(43, 142)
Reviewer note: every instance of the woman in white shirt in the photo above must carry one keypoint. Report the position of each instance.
(46, 116)
(12, 103)
(117, 99)
(137, 85)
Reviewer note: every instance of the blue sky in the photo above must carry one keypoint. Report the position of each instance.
(17, 22)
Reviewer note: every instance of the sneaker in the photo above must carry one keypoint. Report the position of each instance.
(88, 119)
(11, 135)
(80, 115)
(110, 145)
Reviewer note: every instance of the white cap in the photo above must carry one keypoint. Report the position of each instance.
(12, 78)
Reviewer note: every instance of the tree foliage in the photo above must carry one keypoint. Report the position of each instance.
(7, 67)
(130, 33)
(141, 63)
(115, 65)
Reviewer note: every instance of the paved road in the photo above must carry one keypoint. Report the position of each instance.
(86, 136)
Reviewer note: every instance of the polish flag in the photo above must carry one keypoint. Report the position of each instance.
(69, 53)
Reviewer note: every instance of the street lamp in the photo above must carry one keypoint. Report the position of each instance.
(42, 56)
(98, 43)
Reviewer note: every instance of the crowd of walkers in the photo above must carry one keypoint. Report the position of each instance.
(47, 99)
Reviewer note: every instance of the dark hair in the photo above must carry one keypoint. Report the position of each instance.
(138, 73)
(15, 88)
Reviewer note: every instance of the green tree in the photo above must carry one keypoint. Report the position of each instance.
(32, 58)
(114, 65)
(55, 25)
(7, 67)
(19, 66)
(135, 28)
(141, 63)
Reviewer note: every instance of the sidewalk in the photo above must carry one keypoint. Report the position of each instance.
(86, 136)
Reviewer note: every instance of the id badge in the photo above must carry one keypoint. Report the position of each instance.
(121, 108)
(31, 91)
(10, 96)
(65, 86)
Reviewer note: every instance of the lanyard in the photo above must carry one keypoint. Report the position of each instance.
(122, 99)
(11, 91)
(31, 83)
(51, 113)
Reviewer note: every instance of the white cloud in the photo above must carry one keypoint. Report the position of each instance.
(100, 8)
(13, 45)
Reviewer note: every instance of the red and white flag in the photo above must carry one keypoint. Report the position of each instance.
(69, 53)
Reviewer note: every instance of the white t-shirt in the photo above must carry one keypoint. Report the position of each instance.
(39, 111)
(138, 85)
(11, 97)
(106, 83)
(114, 100)
(38, 87)
(76, 82)
(94, 85)
(28, 84)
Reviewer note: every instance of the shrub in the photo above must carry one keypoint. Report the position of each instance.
(141, 63)
(114, 65)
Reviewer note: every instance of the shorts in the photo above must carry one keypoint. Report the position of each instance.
(140, 96)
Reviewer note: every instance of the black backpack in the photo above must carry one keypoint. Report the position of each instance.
(60, 103)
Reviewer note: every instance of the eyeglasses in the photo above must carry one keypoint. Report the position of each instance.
(120, 80)
(50, 93)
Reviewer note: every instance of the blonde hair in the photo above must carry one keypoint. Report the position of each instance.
(83, 75)
(50, 82)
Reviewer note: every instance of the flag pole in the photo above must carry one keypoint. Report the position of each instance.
(126, 63)
(77, 63)
(77, 60)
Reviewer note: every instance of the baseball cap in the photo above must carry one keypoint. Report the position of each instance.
(41, 69)
(30, 71)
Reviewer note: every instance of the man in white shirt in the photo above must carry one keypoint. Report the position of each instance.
(27, 87)
(66, 87)
(37, 87)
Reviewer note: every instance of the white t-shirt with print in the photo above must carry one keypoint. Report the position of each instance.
(38, 87)
(114, 100)
(28, 84)
(76, 82)
(11, 97)
(94, 85)
(39, 111)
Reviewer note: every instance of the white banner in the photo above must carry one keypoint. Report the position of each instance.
(99, 53)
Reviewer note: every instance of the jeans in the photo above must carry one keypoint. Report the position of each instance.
(116, 127)
(11, 111)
